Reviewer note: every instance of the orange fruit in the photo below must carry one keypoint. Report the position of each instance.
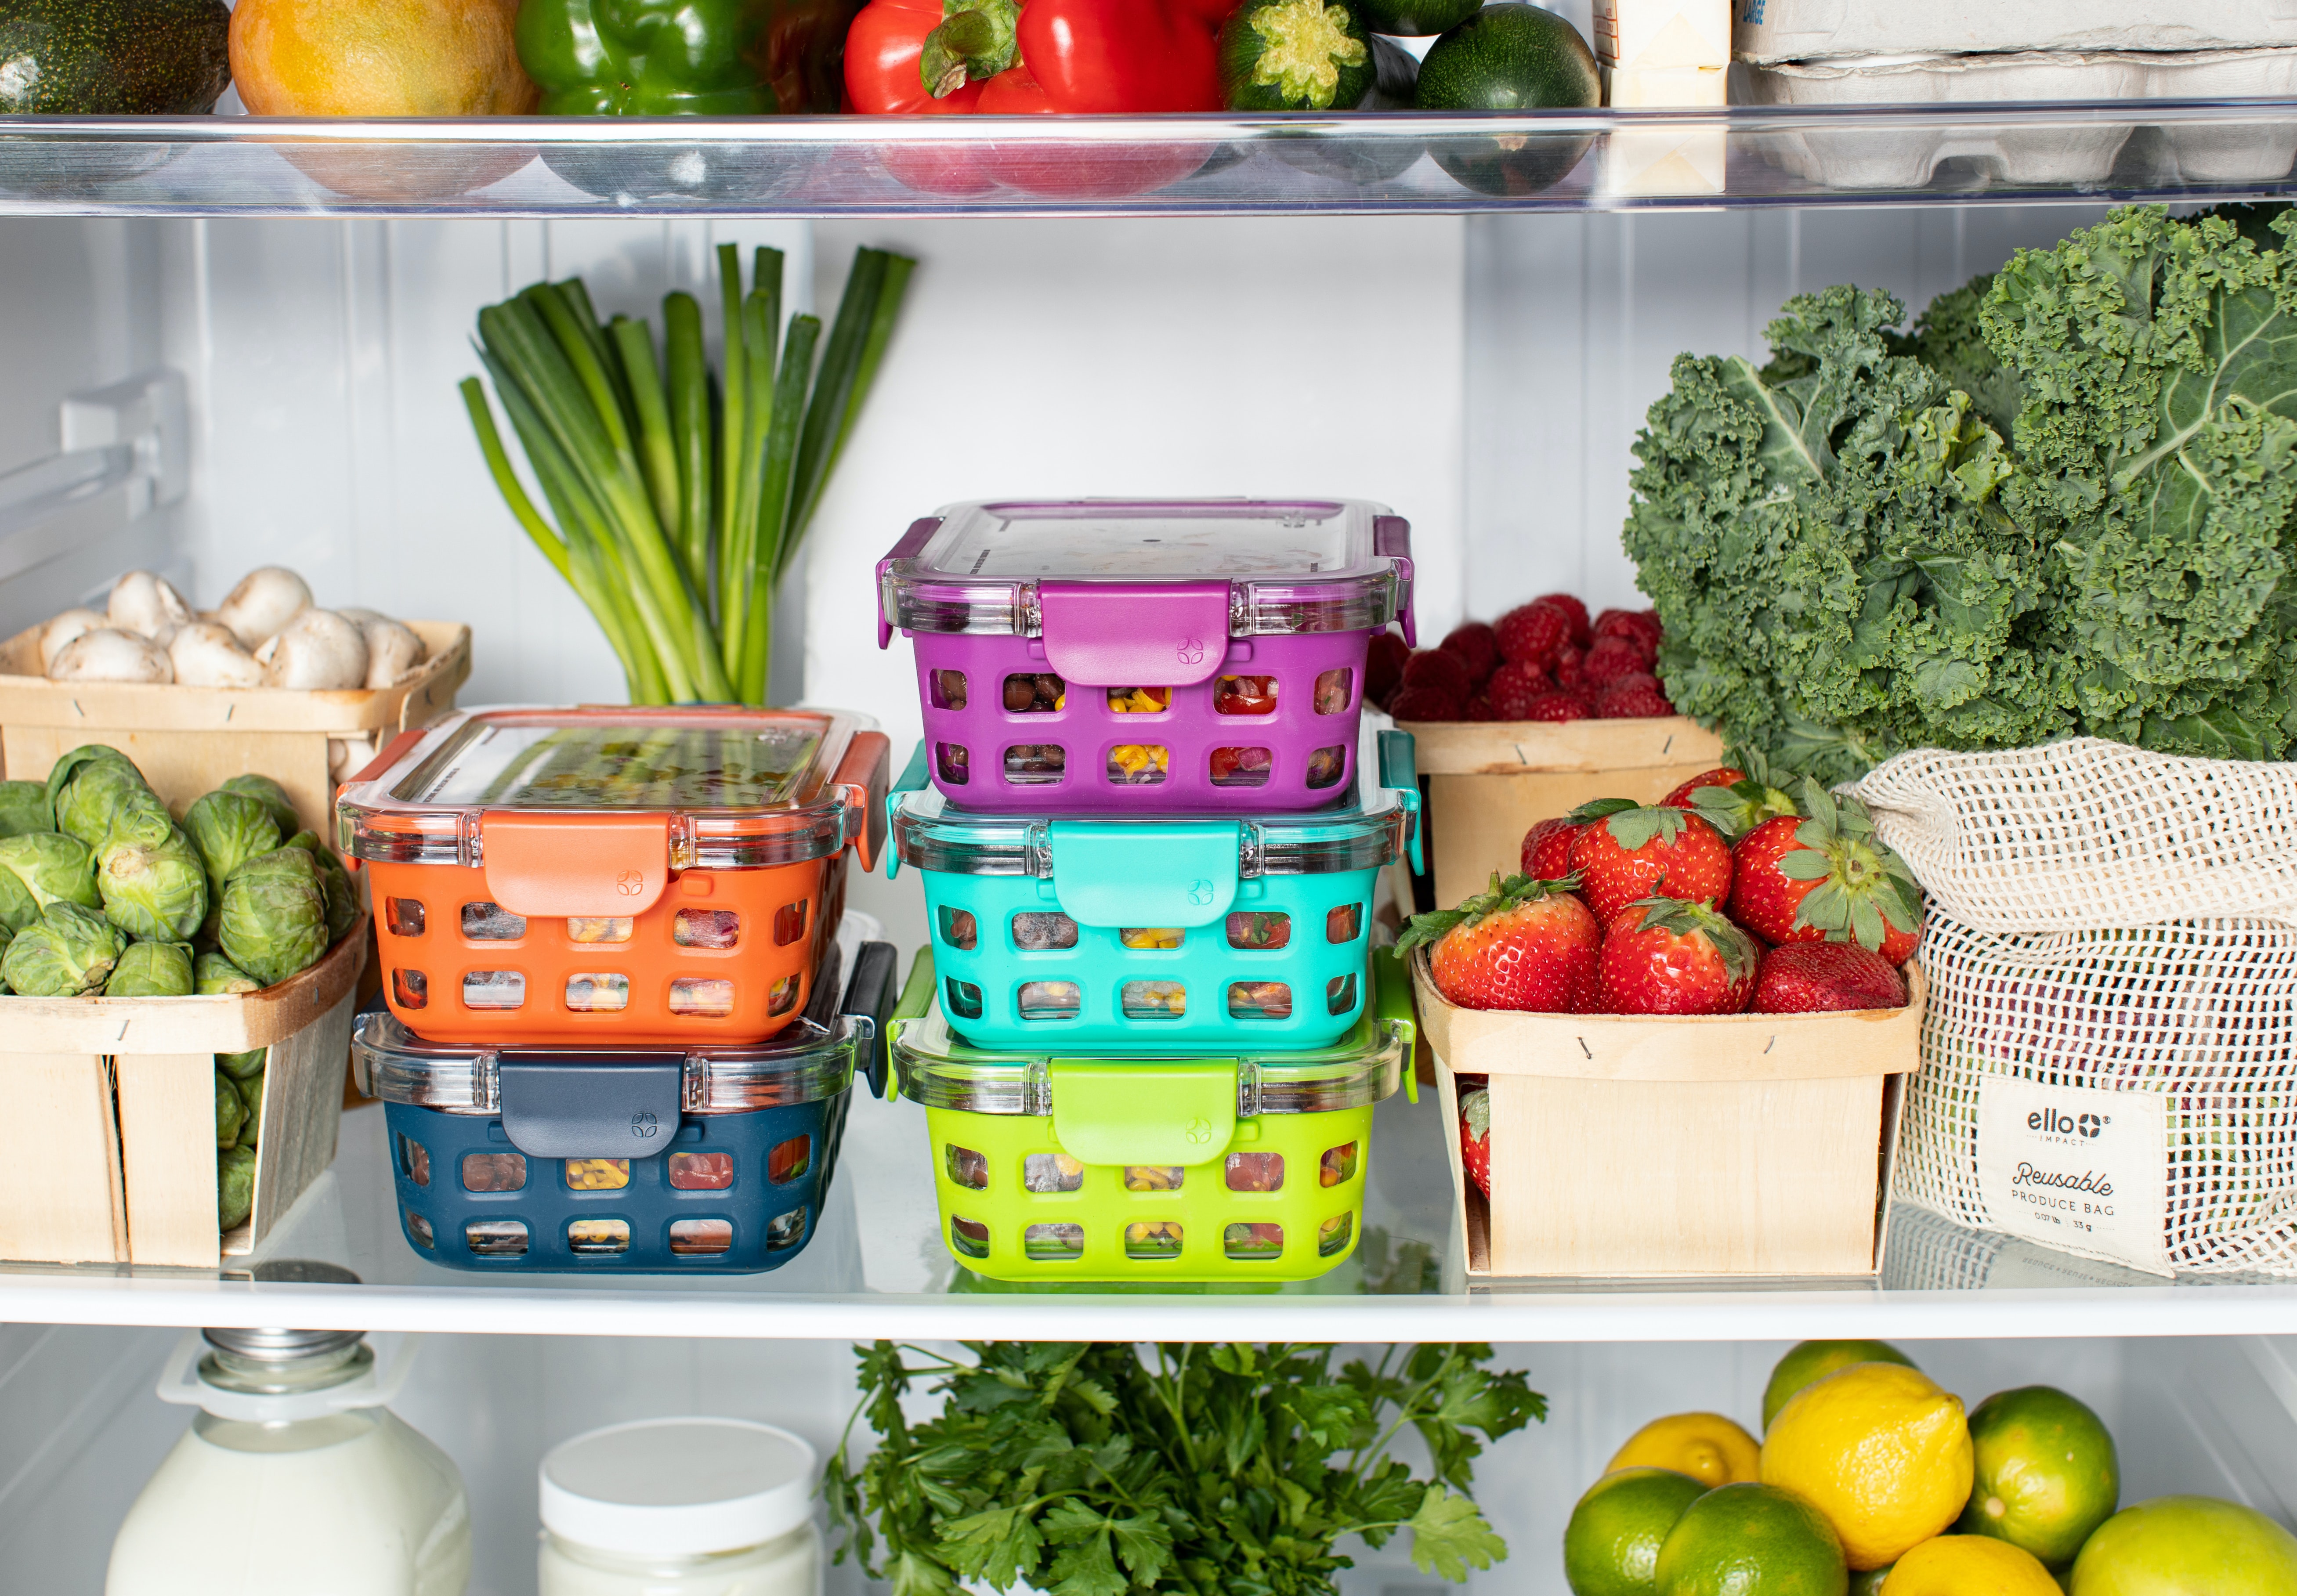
(379, 58)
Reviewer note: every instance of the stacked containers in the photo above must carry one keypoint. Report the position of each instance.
(1151, 843)
(625, 921)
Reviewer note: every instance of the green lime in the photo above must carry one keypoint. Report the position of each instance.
(2185, 1546)
(1611, 1547)
(1868, 1581)
(1751, 1539)
(2046, 1474)
(1815, 1360)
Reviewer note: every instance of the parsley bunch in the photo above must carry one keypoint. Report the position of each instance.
(1226, 1469)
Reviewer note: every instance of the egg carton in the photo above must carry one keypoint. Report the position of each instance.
(2047, 155)
(1770, 31)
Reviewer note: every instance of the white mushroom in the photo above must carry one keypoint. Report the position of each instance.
(266, 599)
(392, 650)
(206, 654)
(62, 629)
(106, 654)
(316, 649)
(146, 605)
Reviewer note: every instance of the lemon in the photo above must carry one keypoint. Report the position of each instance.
(1969, 1566)
(2185, 1546)
(1707, 1446)
(1611, 1547)
(1881, 1451)
(1751, 1539)
(1816, 1360)
(2046, 1472)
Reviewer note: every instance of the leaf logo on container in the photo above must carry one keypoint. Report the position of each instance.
(644, 1126)
(1199, 1132)
(631, 884)
(1200, 891)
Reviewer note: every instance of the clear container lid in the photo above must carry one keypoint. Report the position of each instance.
(813, 1057)
(619, 789)
(1236, 567)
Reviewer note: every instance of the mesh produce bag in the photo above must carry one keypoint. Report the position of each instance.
(2086, 835)
(2127, 1094)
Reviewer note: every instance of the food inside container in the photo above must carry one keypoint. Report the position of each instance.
(1183, 657)
(633, 874)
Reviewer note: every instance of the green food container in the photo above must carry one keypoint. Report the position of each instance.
(1247, 1167)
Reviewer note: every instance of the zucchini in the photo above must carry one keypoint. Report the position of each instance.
(1296, 55)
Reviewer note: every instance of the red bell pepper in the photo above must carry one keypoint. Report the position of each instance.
(1010, 57)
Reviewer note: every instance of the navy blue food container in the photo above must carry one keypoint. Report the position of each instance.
(628, 1161)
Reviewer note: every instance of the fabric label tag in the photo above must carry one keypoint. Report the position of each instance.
(2076, 1168)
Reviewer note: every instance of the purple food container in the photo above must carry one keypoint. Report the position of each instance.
(1145, 656)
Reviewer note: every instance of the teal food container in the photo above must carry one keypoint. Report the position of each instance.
(1156, 936)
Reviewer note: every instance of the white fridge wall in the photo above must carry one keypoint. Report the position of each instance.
(80, 1430)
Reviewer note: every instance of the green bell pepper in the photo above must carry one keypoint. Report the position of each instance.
(647, 58)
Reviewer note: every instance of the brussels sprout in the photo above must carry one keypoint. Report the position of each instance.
(229, 828)
(140, 818)
(274, 914)
(212, 973)
(272, 796)
(250, 1093)
(234, 1187)
(86, 789)
(24, 807)
(7, 935)
(334, 881)
(44, 868)
(70, 951)
(159, 892)
(239, 1066)
(231, 1112)
(152, 970)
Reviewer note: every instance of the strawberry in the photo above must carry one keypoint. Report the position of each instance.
(1611, 658)
(1477, 646)
(1425, 703)
(1627, 852)
(1445, 672)
(1664, 956)
(1635, 696)
(1722, 775)
(1828, 878)
(1530, 634)
(1555, 706)
(1384, 666)
(1575, 611)
(1547, 849)
(1819, 978)
(1514, 688)
(1742, 801)
(1475, 1136)
(1528, 945)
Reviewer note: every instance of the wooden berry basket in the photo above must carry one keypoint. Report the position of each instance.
(1490, 781)
(122, 1169)
(189, 740)
(1745, 1144)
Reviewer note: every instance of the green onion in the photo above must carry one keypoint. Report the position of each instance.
(672, 525)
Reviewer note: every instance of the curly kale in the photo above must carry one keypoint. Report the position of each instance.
(2062, 504)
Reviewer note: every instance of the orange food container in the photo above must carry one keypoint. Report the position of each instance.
(623, 875)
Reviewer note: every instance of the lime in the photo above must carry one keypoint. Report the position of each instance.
(1881, 1451)
(1816, 1360)
(1751, 1539)
(1969, 1566)
(2183, 1546)
(1706, 1446)
(1611, 1547)
(2046, 1474)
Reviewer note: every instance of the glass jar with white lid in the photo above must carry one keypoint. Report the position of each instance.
(680, 1507)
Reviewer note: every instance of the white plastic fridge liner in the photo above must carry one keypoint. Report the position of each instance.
(1768, 31)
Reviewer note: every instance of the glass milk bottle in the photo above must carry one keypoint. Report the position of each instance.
(294, 1480)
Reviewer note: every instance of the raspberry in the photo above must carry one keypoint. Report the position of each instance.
(1513, 688)
(1634, 697)
(1555, 706)
(1479, 708)
(1444, 672)
(1569, 661)
(1477, 646)
(1530, 634)
(1639, 627)
(1423, 703)
(1384, 666)
(1610, 659)
(1572, 607)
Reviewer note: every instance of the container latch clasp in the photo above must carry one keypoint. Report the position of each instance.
(1175, 1112)
(597, 1108)
(559, 865)
(1134, 634)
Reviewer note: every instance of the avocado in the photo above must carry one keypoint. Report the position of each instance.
(1511, 57)
(114, 57)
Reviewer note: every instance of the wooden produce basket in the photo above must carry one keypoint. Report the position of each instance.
(1745, 1144)
(120, 1096)
(187, 741)
(1491, 781)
